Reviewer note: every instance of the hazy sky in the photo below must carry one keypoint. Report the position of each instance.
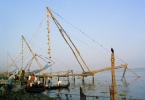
(93, 25)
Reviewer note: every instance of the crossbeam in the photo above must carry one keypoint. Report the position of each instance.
(109, 68)
(92, 72)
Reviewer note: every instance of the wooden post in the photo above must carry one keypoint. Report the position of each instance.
(58, 78)
(92, 77)
(74, 78)
(72, 73)
(124, 72)
(82, 78)
(82, 95)
(68, 77)
(113, 94)
(44, 80)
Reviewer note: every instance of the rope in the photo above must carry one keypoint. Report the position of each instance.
(86, 35)
(61, 62)
(53, 58)
(38, 29)
(34, 38)
(92, 48)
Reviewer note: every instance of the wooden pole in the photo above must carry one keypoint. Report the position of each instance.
(58, 78)
(134, 72)
(74, 78)
(68, 77)
(93, 78)
(124, 72)
(72, 73)
(82, 95)
(113, 95)
(82, 78)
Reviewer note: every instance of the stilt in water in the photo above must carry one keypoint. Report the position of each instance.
(58, 78)
(93, 78)
(113, 87)
(82, 78)
(82, 95)
(124, 72)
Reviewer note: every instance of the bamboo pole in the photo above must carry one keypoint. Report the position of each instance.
(113, 95)
(92, 77)
(134, 73)
(124, 72)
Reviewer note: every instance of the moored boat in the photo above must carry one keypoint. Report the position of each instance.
(35, 89)
(58, 87)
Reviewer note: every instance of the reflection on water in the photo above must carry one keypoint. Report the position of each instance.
(130, 87)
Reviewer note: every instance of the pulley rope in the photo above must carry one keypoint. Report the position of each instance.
(51, 56)
(91, 47)
(86, 35)
(38, 29)
(34, 38)
(55, 59)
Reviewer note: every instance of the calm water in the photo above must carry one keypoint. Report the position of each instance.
(131, 87)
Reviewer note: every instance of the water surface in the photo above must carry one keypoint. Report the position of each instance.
(131, 87)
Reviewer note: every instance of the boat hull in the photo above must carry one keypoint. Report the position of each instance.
(59, 87)
(35, 89)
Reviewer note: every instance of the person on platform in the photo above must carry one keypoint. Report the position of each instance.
(31, 80)
(49, 82)
(59, 83)
(10, 79)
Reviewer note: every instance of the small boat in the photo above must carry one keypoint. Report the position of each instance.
(35, 89)
(2, 84)
(59, 87)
